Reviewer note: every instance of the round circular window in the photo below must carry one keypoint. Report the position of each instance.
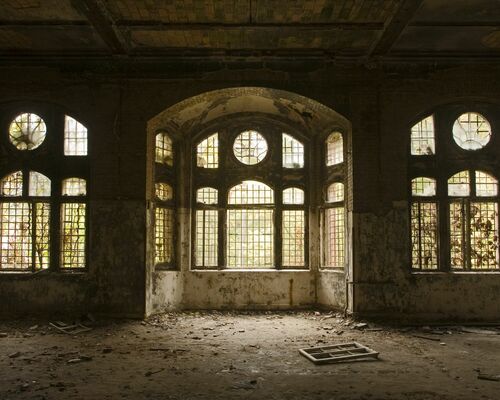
(27, 131)
(471, 131)
(250, 147)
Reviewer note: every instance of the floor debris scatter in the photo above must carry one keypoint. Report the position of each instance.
(245, 355)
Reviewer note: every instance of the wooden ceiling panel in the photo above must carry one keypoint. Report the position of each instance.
(39, 10)
(459, 11)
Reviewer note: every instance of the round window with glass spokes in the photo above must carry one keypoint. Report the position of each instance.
(27, 131)
(250, 147)
(471, 131)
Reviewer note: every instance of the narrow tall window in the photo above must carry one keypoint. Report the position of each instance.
(334, 222)
(207, 227)
(422, 137)
(25, 222)
(473, 221)
(293, 152)
(334, 149)
(75, 137)
(250, 227)
(293, 228)
(73, 223)
(164, 152)
(424, 224)
(207, 152)
(164, 225)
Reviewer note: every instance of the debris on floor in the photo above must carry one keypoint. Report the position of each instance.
(488, 377)
(338, 352)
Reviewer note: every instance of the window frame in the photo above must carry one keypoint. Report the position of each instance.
(231, 171)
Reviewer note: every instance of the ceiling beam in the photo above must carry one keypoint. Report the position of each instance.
(394, 27)
(103, 23)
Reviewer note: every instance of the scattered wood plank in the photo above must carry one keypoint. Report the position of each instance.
(338, 352)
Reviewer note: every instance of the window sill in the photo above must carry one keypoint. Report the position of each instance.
(247, 270)
(447, 273)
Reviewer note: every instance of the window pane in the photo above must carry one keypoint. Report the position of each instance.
(457, 229)
(207, 195)
(74, 187)
(251, 192)
(12, 185)
(424, 235)
(422, 137)
(39, 185)
(207, 152)
(293, 152)
(293, 196)
(293, 232)
(164, 153)
(423, 187)
(486, 185)
(484, 235)
(42, 236)
(471, 131)
(27, 131)
(75, 138)
(250, 147)
(458, 184)
(207, 222)
(335, 192)
(334, 220)
(73, 217)
(16, 236)
(164, 242)
(334, 149)
(250, 238)
(164, 191)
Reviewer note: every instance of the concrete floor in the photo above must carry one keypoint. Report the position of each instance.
(252, 356)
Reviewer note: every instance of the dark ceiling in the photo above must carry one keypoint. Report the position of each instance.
(343, 29)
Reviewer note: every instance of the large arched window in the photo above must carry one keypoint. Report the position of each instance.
(250, 194)
(43, 215)
(454, 201)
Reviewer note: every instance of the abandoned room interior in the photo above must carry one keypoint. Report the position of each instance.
(192, 191)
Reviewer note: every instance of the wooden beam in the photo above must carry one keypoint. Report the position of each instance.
(394, 27)
(103, 23)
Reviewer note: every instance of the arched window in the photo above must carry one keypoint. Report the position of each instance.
(34, 205)
(462, 206)
(245, 222)
(334, 149)
(164, 202)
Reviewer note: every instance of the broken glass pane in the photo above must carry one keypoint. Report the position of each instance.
(250, 147)
(207, 152)
(39, 185)
(293, 152)
(164, 152)
(27, 131)
(423, 187)
(75, 137)
(164, 191)
(422, 137)
(293, 195)
(74, 187)
(486, 185)
(458, 184)
(484, 235)
(251, 192)
(12, 185)
(207, 195)
(471, 131)
(334, 149)
(335, 192)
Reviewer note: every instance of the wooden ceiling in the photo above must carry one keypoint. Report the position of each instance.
(344, 29)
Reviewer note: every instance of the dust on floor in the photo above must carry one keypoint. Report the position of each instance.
(214, 355)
